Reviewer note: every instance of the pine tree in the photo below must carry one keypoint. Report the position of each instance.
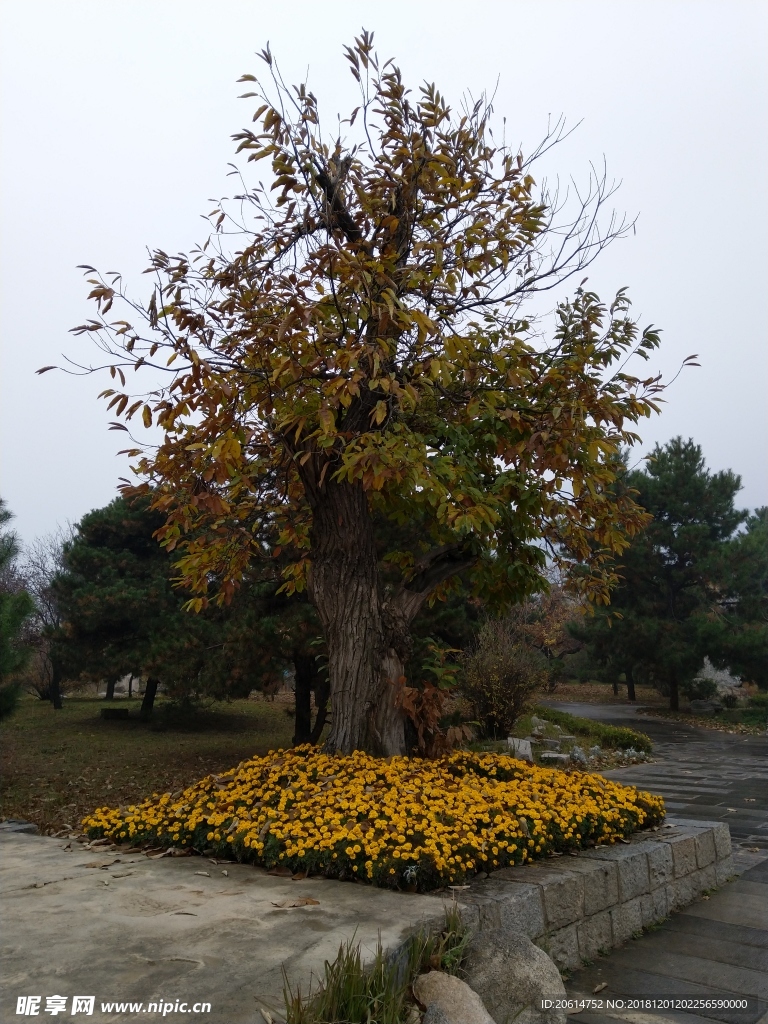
(671, 609)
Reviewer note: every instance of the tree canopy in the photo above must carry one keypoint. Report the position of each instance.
(350, 342)
(675, 603)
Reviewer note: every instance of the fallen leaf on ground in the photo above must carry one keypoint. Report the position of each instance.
(299, 876)
(281, 872)
(206, 873)
(225, 873)
(178, 913)
(302, 901)
(600, 987)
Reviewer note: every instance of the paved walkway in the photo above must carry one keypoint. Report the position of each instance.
(719, 945)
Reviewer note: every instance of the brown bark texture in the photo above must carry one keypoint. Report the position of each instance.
(367, 633)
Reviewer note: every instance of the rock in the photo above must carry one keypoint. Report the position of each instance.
(565, 738)
(452, 998)
(509, 974)
(595, 751)
(578, 756)
(551, 757)
(520, 748)
(16, 825)
(434, 1015)
(551, 744)
(538, 723)
(705, 706)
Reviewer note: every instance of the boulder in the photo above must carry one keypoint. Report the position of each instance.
(520, 748)
(553, 758)
(449, 1000)
(551, 744)
(705, 706)
(510, 974)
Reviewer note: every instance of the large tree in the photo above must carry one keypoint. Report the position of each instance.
(350, 342)
(671, 607)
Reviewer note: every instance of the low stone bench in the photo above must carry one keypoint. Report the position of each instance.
(577, 907)
(114, 713)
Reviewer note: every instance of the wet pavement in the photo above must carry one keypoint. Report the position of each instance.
(718, 947)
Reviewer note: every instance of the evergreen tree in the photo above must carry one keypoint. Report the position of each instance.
(671, 609)
(15, 608)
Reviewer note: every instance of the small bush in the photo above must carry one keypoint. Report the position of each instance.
(611, 736)
(730, 700)
(700, 689)
(759, 701)
(500, 677)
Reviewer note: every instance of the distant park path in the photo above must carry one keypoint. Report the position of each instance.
(719, 945)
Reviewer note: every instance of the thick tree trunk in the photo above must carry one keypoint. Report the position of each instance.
(148, 702)
(345, 592)
(305, 674)
(630, 685)
(368, 639)
(110, 694)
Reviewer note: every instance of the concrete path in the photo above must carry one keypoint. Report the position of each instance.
(718, 946)
(125, 929)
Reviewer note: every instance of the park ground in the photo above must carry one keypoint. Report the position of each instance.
(55, 767)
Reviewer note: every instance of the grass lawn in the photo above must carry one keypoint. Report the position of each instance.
(55, 766)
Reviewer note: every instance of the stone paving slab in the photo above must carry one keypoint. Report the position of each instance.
(144, 928)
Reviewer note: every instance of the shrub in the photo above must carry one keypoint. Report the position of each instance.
(700, 688)
(611, 736)
(500, 677)
(730, 700)
(397, 822)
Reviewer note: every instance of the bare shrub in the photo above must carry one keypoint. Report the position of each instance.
(501, 675)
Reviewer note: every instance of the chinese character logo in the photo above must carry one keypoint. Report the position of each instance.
(55, 1004)
(29, 1006)
(83, 1004)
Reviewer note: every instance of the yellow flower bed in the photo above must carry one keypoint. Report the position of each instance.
(399, 822)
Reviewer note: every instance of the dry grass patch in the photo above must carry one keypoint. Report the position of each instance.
(57, 766)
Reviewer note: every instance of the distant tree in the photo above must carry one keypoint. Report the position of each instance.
(16, 606)
(365, 352)
(119, 613)
(670, 609)
(746, 606)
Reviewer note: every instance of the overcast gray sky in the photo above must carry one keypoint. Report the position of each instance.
(116, 125)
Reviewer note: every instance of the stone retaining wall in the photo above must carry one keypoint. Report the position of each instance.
(577, 907)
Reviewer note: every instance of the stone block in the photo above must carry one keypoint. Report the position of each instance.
(724, 870)
(562, 891)
(563, 901)
(502, 905)
(722, 837)
(680, 893)
(705, 848)
(632, 865)
(563, 947)
(549, 757)
(626, 920)
(653, 906)
(683, 853)
(601, 883)
(520, 748)
(705, 879)
(595, 935)
(661, 867)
